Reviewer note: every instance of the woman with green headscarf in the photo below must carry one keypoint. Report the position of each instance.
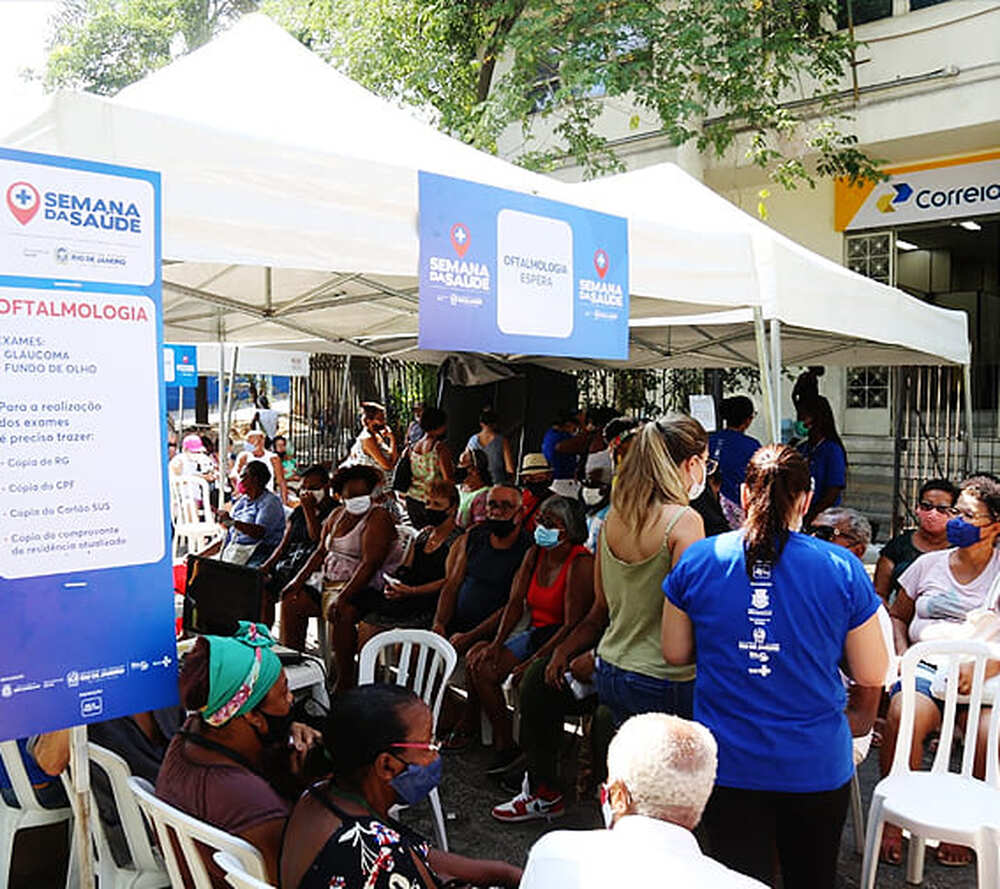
(239, 743)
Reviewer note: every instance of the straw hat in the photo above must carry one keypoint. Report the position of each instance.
(535, 464)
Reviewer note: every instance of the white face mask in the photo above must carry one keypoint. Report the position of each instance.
(592, 496)
(358, 505)
(607, 813)
(695, 491)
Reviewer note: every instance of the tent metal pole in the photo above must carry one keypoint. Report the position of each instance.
(776, 373)
(223, 449)
(765, 373)
(967, 386)
(232, 388)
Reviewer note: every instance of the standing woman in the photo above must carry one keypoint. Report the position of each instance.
(375, 445)
(430, 461)
(770, 613)
(732, 449)
(474, 482)
(496, 446)
(826, 455)
(648, 527)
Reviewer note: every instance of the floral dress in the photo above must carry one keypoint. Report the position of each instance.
(365, 853)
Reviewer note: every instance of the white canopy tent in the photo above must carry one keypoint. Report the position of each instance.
(817, 311)
(290, 220)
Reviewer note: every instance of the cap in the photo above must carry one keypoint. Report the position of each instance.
(193, 444)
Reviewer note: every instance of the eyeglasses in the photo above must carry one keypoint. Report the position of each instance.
(432, 746)
(927, 506)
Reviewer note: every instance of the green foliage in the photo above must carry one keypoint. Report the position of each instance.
(102, 46)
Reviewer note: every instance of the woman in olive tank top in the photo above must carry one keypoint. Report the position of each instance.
(648, 527)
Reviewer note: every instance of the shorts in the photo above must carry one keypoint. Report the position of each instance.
(924, 680)
(524, 645)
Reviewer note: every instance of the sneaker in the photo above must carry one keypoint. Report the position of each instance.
(505, 760)
(529, 806)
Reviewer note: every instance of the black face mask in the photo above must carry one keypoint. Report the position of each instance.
(461, 474)
(436, 516)
(539, 489)
(278, 729)
(500, 527)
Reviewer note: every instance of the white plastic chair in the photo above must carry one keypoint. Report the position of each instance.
(146, 870)
(426, 662)
(30, 814)
(950, 806)
(178, 830)
(235, 875)
(191, 511)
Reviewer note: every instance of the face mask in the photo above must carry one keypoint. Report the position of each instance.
(539, 489)
(933, 522)
(592, 496)
(801, 430)
(241, 487)
(415, 782)
(546, 537)
(695, 491)
(961, 533)
(278, 729)
(437, 516)
(461, 474)
(607, 813)
(358, 505)
(500, 527)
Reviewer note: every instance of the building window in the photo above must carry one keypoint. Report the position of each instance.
(923, 4)
(871, 256)
(862, 11)
(868, 387)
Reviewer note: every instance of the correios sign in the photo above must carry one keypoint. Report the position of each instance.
(949, 189)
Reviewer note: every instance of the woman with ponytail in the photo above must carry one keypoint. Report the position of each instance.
(771, 612)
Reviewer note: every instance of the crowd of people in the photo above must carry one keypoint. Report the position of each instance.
(701, 601)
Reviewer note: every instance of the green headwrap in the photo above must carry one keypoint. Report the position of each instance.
(241, 671)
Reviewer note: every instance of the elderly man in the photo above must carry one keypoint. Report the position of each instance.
(848, 528)
(660, 774)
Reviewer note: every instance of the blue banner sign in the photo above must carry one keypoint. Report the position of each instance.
(180, 366)
(512, 273)
(86, 586)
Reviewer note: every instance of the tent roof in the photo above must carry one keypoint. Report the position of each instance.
(272, 159)
(290, 211)
(829, 314)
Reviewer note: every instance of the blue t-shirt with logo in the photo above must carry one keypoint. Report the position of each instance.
(563, 465)
(767, 652)
(827, 466)
(733, 449)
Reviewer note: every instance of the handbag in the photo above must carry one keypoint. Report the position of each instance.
(402, 475)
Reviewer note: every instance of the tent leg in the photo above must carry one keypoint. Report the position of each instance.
(776, 373)
(969, 441)
(223, 449)
(765, 373)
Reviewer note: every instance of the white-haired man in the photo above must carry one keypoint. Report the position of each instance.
(660, 774)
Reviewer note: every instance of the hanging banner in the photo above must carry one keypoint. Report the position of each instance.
(85, 574)
(512, 273)
(180, 366)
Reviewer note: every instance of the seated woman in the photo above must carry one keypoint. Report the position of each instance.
(231, 763)
(379, 739)
(409, 599)
(254, 523)
(935, 506)
(474, 482)
(358, 547)
(556, 583)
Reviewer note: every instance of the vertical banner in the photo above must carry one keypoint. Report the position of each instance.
(512, 273)
(85, 574)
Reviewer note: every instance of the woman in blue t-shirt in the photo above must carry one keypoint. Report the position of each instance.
(770, 612)
(826, 455)
(732, 449)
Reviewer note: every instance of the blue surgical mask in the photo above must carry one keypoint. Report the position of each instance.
(415, 781)
(962, 533)
(546, 538)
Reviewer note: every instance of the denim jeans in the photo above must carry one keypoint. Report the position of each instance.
(627, 694)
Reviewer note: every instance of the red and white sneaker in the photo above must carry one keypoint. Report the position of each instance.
(530, 806)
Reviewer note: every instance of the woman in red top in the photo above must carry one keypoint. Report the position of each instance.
(556, 584)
